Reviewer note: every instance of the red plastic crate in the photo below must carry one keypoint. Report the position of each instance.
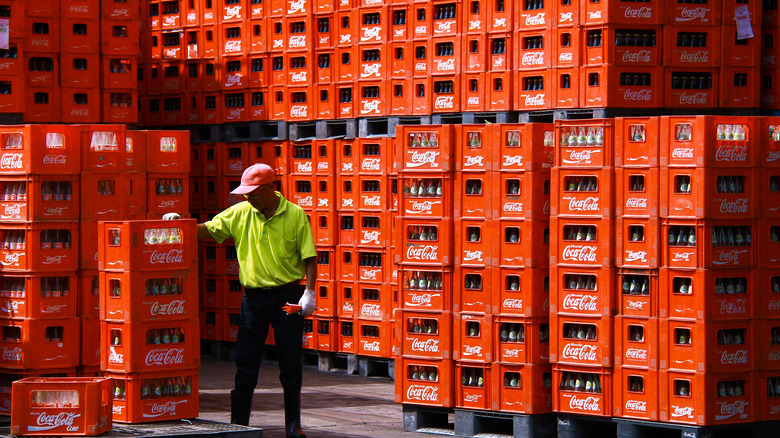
(691, 88)
(693, 14)
(521, 341)
(584, 144)
(84, 409)
(374, 301)
(42, 35)
(769, 155)
(346, 264)
(694, 398)
(40, 343)
(570, 243)
(326, 265)
(428, 252)
(373, 230)
(427, 197)
(212, 324)
(618, 12)
(636, 393)
(525, 389)
(426, 288)
(88, 293)
(45, 246)
(566, 46)
(436, 390)
(618, 45)
(39, 198)
(60, 155)
(424, 335)
(740, 53)
(705, 253)
(123, 255)
(739, 87)
(581, 341)
(375, 338)
(704, 346)
(707, 295)
(636, 192)
(474, 391)
(345, 338)
(582, 192)
(610, 85)
(346, 299)
(637, 246)
(373, 194)
(474, 244)
(473, 289)
(516, 147)
(768, 353)
(326, 297)
(155, 396)
(138, 348)
(211, 291)
(417, 154)
(9, 376)
(767, 302)
(636, 342)
(638, 292)
(42, 105)
(107, 196)
(572, 396)
(234, 293)
(39, 296)
(566, 87)
(531, 16)
(637, 141)
(687, 46)
(521, 292)
(582, 291)
(119, 37)
(477, 153)
(473, 338)
(168, 192)
(710, 141)
(511, 243)
(139, 296)
(768, 400)
(474, 195)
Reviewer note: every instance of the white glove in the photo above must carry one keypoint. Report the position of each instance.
(171, 216)
(307, 302)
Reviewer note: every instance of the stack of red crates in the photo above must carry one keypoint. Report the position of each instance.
(39, 313)
(581, 267)
(769, 74)
(149, 334)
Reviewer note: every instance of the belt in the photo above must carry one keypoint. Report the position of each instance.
(273, 288)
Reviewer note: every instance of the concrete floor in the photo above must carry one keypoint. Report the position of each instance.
(333, 405)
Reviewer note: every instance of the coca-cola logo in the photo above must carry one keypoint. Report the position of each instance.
(11, 259)
(702, 56)
(736, 358)
(305, 201)
(533, 58)
(535, 100)
(55, 159)
(420, 207)
(444, 102)
(11, 211)
(370, 106)
(511, 352)
(499, 22)
(296, 6)
(174, 307)
(299, 111)
(580, 352)
(728, 410)
(347, 307)
(298, 77)
(421, 299)
(420, 66)
(472, 255)
(636, 203)
(587, 404)
(345, 38)
(636, 406)
(445, 65)
(644, 95)
(47, 421)
(774, 305)
(371, 237)
(472, 350)
(695, 13)
(346, 167)
(475, 25)
(473, 100)
(682, 256)
(232, 46)
(514, 207)
(304, 167)
(636, 256)
(566, 57)
(115, 358)
(172, 256)
(426, 346)
(682, 411)
(699, 98)
(51, 309)
(297, 42)
(636, 354)
(372, 201)
(164, 356)
(591, 203)
(79, 9)
(513, 160)
(635, 305)
(513, 303)
(11, 161)
(566, 17)
(729, 257)
(474, 160)
(12, 354)
(774, 356)
(347, 202)
(79, 112)
(638, 57)
(371, 346)
(279, 44)
(423, 253)
(731, 153)
(643, 12)
(594, 15)
(370, 70)
(53, 260)
(535, 20)
(170, 20)
(583, 303)
(160, 409)
(424, 393)
(736, 307)
(371, 310)
(10, 306)
(232, 12)
(682, 153)
(583, 156)
(580, 253)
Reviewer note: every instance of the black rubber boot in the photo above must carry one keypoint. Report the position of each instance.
(292, 414)
(240, 407)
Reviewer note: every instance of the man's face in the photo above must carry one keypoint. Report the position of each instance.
(261, 196)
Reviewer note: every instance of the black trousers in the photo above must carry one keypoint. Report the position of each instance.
(259, 309)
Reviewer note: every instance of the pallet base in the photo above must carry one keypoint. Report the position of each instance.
(426, 419)
(578, 426)
(182, 428)
(470, 423)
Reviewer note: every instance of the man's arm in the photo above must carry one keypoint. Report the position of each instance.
(311, 272)
(203, 233)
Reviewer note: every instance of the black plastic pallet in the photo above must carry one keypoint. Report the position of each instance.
(385, 126)
(471, 423)
(181, 428)
(428, 419)
(579, 426)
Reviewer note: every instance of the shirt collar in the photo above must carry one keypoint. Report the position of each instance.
(281, 208)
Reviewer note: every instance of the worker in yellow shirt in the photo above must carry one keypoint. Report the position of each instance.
(275, 250)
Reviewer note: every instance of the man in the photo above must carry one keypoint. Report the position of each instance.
(275, 249)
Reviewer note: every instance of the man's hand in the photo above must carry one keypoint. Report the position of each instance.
(171, 216)
(307, 302)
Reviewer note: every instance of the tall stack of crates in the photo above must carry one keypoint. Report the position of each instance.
(637, 238)
(769, 75)
(39, 314)
(425, 370)
(581, 267)
(149, 334)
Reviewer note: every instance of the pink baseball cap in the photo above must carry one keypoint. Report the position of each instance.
(253, 177)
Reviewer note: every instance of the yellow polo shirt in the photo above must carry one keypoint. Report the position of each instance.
(270, 251)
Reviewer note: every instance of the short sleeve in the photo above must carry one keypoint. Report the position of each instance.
(219, 226)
